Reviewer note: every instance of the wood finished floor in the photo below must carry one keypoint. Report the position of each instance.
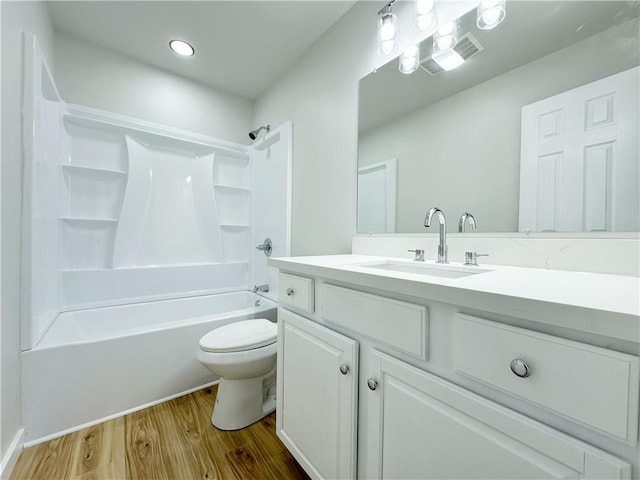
(173, 440)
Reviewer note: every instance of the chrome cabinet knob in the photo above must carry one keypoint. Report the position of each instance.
(289, 292)
(344, 369)
(520, 368)
(372, 384)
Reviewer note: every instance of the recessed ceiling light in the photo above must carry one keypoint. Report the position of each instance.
(181, 48)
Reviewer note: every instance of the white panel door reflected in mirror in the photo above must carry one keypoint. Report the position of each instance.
(579, 162)
(377, 197)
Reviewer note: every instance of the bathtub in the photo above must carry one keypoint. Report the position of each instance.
(99, 363)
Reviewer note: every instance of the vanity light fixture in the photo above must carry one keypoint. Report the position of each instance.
(426, 18)
(445, 37)
(410, 60)
(448, 60)
(387, 30)
(490, 13)
(181, 48)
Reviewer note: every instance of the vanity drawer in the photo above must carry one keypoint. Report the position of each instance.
(593, 386)
(295, 291)
(401, 325)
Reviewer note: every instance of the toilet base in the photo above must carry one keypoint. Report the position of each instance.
(239, 403)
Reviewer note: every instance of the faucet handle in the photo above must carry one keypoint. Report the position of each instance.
(471, 258)
(419, 257)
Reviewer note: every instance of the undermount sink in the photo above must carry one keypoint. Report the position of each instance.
(446, 271)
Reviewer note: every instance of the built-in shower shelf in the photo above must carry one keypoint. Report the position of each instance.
(92, 170)
(231, 187)
(88, 220)
(234, 225)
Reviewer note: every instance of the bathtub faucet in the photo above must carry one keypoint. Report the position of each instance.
(261, 288)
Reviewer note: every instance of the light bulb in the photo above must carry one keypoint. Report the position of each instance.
(411, 51)
(408, 66)
(445, 37)
(424, 6)
(426, 22)
(490, 13)
(447, 28)
(445, 43)
(388, 46)
(410, 59)
(387, 30)
(426, 18)
(487, 4)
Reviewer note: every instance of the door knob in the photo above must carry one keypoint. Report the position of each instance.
(344, 369)
(372, 384)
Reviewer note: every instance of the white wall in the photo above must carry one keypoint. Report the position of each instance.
(16, 16)
(463, 153)
(320, 95)
(93, 76)
(1, 449)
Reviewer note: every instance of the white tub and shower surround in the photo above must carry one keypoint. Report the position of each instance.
(100, 363)
(119, 210)
(40, 226)
(271, 186)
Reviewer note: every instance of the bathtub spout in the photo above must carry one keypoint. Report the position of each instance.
(261, 288)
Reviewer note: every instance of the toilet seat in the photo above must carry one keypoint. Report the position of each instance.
(240, 336)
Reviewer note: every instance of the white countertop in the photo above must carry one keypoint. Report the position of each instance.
(599, 303)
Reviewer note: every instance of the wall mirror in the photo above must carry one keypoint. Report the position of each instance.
(536, 131)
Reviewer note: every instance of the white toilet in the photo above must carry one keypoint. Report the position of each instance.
(243, 355)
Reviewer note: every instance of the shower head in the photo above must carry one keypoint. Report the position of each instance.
(253, 134)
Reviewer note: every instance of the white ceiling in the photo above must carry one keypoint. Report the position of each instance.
(241, 46)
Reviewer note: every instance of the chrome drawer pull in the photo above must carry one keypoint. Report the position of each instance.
(520, 368)
(372, 384)
(289, 292)
(344, 369)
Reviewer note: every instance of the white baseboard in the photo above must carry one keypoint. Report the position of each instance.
(46, 438)
(10, 458)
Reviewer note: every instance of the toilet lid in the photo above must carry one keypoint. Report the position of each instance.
(239, 336)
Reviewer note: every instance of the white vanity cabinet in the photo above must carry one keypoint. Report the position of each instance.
(424, 427)
(429, 387)
(317, 396)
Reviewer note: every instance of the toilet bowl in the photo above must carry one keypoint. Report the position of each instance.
(243, 355)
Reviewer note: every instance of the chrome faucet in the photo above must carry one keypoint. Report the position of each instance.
(419, 255)
(443, 256)
(463, 219)
(261, 288)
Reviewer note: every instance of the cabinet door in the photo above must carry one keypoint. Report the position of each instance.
(317, 396)
(425, 427)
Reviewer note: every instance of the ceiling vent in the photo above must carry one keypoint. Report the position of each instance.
(466, 47)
